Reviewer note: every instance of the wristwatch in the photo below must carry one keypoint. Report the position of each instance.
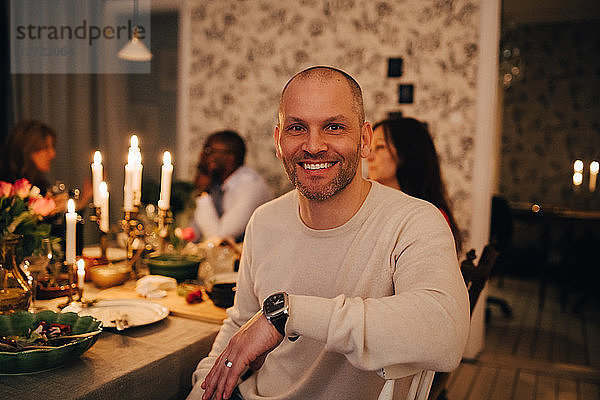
(276, 309)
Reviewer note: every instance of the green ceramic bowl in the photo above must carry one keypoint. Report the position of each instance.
(28, 361)
(180, 267)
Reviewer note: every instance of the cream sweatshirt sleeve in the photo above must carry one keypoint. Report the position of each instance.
(423, 325)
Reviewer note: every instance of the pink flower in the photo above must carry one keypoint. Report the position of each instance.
(42, 205)
(5, 189)
(22, 187)
(188, 234)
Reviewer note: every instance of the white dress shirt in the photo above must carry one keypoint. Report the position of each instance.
(243, 192)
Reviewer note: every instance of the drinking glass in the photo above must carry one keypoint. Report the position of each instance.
(37, 265)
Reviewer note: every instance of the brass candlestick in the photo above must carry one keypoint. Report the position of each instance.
(96, 216)
(164, 220)
(134, 229)
(71, 274)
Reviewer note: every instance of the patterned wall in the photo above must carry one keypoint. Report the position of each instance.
(552, 116)
(243, 52)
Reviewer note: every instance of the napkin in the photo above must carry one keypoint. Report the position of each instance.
(155, 286)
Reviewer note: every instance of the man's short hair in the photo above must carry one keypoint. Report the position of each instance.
(325, 72)
(233, 141)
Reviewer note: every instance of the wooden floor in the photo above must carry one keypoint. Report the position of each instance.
(549, 353)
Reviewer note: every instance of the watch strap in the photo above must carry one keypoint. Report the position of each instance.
(279, 322)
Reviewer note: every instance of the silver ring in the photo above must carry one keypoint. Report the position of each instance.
(228, 363)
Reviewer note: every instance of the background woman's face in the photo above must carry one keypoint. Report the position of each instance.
(382, 160)
(43, 158)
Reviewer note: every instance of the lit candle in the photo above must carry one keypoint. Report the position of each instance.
(97, 177)
(165, 182)
(137, 178)
(104, 224)
(128, 187)
(71, 222)
(594, 166)
(577, 173)
(80, 273)
(135, 162)
(133, 143)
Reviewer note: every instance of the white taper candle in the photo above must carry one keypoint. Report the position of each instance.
(165, 182)
(71, 222)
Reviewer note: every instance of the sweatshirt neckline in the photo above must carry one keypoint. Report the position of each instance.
(357, 219)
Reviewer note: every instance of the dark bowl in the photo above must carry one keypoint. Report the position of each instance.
(222, 294)
(29, 361)
(175, 266)
(62, 288)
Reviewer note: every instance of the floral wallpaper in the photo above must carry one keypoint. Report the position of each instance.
(552, 115)
(243, 52)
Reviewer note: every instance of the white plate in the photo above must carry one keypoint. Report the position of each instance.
(137, 312)
(112, 253)
(225, 277)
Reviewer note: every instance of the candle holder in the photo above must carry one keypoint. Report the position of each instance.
(72, 287)
(96, 216)
(164, 220)
(80, 296)
(133, 229)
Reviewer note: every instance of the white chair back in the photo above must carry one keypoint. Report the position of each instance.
(419, 387)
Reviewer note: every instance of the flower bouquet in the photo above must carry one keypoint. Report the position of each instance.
(22, 209)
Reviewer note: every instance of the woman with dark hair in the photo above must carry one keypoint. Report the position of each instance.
(29, 151)
(403, 156)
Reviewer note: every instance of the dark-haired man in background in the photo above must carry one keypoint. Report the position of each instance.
(230, 191)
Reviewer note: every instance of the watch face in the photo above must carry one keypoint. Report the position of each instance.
(274, 303)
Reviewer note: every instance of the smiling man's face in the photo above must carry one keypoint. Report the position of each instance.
(318, 137)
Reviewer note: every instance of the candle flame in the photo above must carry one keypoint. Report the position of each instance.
(97, 157)
(138, 158)
(70, 206)
(103, 188)
(578, 166)
(80, 265)
(130, 158)
(594, 167)
(166, 158)
(134, 141)
(577, 178)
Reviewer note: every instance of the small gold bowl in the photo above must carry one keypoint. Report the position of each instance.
(108, 275)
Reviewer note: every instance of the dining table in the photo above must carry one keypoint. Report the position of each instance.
(151, 361)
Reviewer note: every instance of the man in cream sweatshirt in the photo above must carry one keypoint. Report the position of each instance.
(341, 276)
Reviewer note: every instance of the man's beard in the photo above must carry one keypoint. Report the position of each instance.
(348, 168)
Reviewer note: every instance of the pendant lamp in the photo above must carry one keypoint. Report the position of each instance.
(135, 49)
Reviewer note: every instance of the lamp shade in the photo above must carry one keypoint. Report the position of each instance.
(135, 50)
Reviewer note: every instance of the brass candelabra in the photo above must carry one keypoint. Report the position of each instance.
(134, 230)
(164, 220)
(96, 216)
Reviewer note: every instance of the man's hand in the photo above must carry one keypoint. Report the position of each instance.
(249, 346)
(204, 176)
(203, 181)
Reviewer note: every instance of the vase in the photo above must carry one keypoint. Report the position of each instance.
(15, 292)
